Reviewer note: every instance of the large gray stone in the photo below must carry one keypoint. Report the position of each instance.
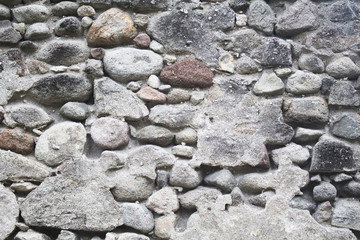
(343, 93)
(261, 16)
(7, 33)
(183, 175)
(125, 236)
(222, 179)
(75, 111)
(62, 142)
(155, 135)
(346, 213)
(108, 94)
(324, 192)
(126, 64)
(4, 12)
(340, 12)
(37, 31)
(9, 212)
(303, 83)
(148, 5)
(163, 201)
(31, 235)
(68, 27)
(343, 67)
(138, 217)
(346, 125)
(64, 203)
(65, 8)
(199, 197)
(16, 167)
(294, 152)
(311, 63)
(31, 13)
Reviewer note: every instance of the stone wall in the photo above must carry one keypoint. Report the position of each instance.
(169, 119)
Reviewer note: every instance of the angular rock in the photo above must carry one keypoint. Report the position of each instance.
(155, 135)
(110, 133)
(183, 175)
(182, 151)
(311, 63)
(294, 152)
(156, 47)
(261, 17)
(9, 212)
(222, 179)
(31, 13)
(306, 110)
(31, 235)
(346, 126)
(94, 68)
(199, 197)
(346, 213)
(343, 93)
(149, 94)
(307, 135)
(28, 116)
(343, 67)
(17, 141)
(226, 63)
(163, 201)
(7, 33)
(162, 178)
(67, 204)
(341, 177)
(246, 65)
(108, 94)
(15, 167)
(303, 203)
(187, 73)
(187, 136)
(300, 17)
(126, 64)
(68, 27)
(112, 28)
(331, 157)
(23, 187)
(303, 83)
(75, 111)
(268, 84)
(63, 141)
(138, 217)
(37, 31)
(324, 192)
(61, 88)
(65, 8)
(164, 225)
(261, 199)
(339, 12)
(67, 235)
(323, 212)
(97, 53)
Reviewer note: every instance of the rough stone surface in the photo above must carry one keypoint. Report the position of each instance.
(37, 31)
(303, 83)
(307, 135)
(183, 175)
(294, 152)
(65, 8)
(350, 189)
(268, 84)
(165, 225)
(222, 179)
(149, 94)
(68, 26)
(31, 234)
(343, 67)
(112, 28)
(261, 17)
(182, 151)
(323, 212)
(324, 192)
(199, 197)
(125, 236)
(187, 136)
(31, 13)
(346, 213)
(9, 210)
(28, 116)
(346, 126)
(17, 141)
(138, 217)
(86, 11)
(126, 64)
(110, 133)
(142, 40)
(187, 73)
(155, 135)
(311, 63)
(75, 111)
(62, 142)
(8, 34)
(4, 12)
(343, 93)
(163, 201)
(178, 95)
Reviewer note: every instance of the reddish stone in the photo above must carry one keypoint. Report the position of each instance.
(142, 40)
(97, 53)
(16, 140)
(187, 73)
(149, 94)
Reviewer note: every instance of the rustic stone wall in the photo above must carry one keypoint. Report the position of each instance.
(169, 119)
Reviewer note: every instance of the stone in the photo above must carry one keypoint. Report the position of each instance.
(86, 11)
(23, 187)
(226, 63)
(173, 116)
(323, 212)
(349, 189)
(126, 64)
(10, 3)
(294, 152)
(108, 94)
(75, 111)
(183, 175)
(187, 136)
(37, 31)
(307, 135)
(261, 199)
(149, 6)
(165, 88)
(303, 83)
(156, 47)
(268, 84)
(300, 17)
(327, 83)
(311, 63)
(68, 27)
(62, 142)
(134, 86)
(239, 5)
(178, 95)
(324, 192)
(241, 20)
(341, 177)
(141, 20)
(306, 110)
(138, 217)
(63, 52)
(237, 196)
(261, 17)
(197, 198)
(110, 133)
(97, 53)
(182, 151)
(163, 201)
(332, 156)
(59, 199)
(148, 94)
(94, 68)
(31, 13)
(97, 4)
(343, 12)
(303, 203)
(346, 125)
(164, 226)
(28, 46)
(7, 33)
(343, 93)
(346, 213)
(28, 116)
(222, 179)
(65, 8)
(61, 88)
(4, 12)
(86, 22)
(246, 65)
(16, 140)
(125, 236)
(112, 28)
(187, 73)
(16, 167)
(155, 135)
(343, 67)
(31, 235)
(9, 212)
(162, 178)
(142, 40)
(283, 72)
(153, 81)
(67, 235)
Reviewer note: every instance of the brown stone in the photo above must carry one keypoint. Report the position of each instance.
(142, 40)
(149, 94)
(112, 28)
(97, 53)
(16, 140)
(187, 73)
